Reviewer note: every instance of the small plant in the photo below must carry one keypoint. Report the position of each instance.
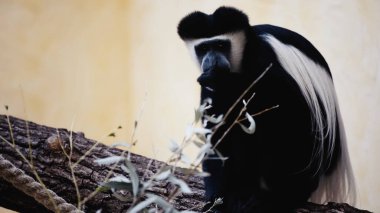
(198, 134)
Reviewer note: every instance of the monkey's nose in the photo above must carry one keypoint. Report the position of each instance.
(206, 80)
(215, 63)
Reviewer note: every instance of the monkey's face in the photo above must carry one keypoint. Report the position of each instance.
(218, 57)
(214, 60)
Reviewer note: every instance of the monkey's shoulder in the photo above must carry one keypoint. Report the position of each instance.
(290, 37)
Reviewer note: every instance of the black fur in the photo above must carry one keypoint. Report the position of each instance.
(280, 151)
(200, 25)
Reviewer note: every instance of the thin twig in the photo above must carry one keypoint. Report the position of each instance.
(243, 94)
(115, 165)
(71, 166)
(194, 167)
(10, 129)
(259, 113)
(31, 166)
(30, 163)
(233, 123)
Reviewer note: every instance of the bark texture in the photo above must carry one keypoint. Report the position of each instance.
(42, 146)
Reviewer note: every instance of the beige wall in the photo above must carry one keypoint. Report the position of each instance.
(95, 63)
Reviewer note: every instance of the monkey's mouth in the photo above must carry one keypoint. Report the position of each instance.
(207, 82)
(210, 89)
(214, 81)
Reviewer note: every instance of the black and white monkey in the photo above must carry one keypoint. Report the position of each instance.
(298, 151)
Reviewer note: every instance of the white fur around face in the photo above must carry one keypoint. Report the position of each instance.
(318, 89)
(237, 40)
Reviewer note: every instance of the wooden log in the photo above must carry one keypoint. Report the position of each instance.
(51, 164)
(42, 146)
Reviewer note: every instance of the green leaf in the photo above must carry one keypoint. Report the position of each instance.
(103, 188)
(163, 175)
(124, 168)
(112, 134)
(218, 201)
(118, 185)
(202, 174)
(121, 143)
(202, 131)
(142, 205)
(173, 146)
(182, 184)
(214, 120)
(201, 109)
(221, 157)
(201, 137)
(206, 148)
(252, 124)
(185, 159)
(197, 143)
(120, 178)
(123, 198)
(197, 115)
(109, 160)
(162, 203)
(134, 177)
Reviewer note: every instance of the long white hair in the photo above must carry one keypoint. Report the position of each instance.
(318, 90)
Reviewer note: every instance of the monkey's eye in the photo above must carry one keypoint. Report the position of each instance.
(201, 49)
(222, 46)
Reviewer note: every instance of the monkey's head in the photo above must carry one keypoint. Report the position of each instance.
(217, 43)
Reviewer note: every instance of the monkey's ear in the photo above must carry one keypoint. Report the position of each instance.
(223, 20)
(193, 25)
(230, 19)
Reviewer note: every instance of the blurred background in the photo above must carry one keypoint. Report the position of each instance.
(95, 65)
